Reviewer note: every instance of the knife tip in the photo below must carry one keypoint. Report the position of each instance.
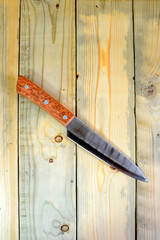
(141, 176)
(143, 179)
(146, 180)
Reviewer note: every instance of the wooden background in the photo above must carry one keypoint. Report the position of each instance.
(101, 60)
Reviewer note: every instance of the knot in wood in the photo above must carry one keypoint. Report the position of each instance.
(51, 160)
(148, 90)
(57, 5)
(151, 90)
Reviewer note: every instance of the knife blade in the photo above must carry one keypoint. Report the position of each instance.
(78, 131)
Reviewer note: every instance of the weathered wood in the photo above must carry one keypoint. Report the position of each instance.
(47, 165)
(9, 28)
(147, 54)
(42, 99)
(105, 101)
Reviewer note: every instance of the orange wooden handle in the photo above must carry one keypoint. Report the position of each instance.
(38, 96)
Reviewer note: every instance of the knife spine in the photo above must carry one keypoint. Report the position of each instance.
(34, 93)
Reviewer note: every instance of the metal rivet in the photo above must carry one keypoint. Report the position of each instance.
(65, 117)
(65, 228)
(46, 101)
(58, 138)
(26, 86)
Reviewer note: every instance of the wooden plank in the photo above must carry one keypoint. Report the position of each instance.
(47, 167)
(105, 91)
(9, 28)
(147, 54)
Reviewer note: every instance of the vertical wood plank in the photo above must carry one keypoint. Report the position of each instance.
(47, 167)
(9, 29)
(105, 101)
(147, 54)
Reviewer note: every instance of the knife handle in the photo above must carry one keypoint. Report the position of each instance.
(31, 91)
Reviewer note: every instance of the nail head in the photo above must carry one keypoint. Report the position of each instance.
(65, 228)
(58, 138)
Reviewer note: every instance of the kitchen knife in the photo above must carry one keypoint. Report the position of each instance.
(78, 131)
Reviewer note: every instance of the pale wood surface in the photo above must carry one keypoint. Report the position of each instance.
(105, 101)
(105, 91)
(47, 56)
(147, 55)
(9, 29)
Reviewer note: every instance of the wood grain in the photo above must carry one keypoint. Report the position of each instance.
(37, 95)
(147, 54)
(46, 164)
(105, 101)
(9, 28)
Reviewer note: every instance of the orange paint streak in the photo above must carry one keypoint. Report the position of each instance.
(99, 64)
(100, 176)
(109, 198)
(104, 61)
(108, 76)
(103, 58)
(109, 92)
